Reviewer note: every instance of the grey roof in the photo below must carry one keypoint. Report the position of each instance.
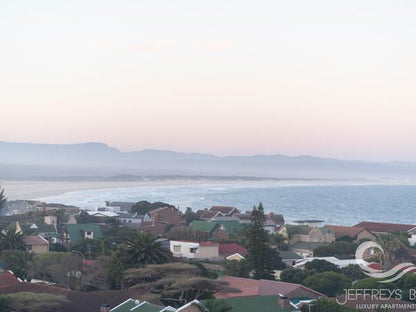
(307, 245)
(289, 255)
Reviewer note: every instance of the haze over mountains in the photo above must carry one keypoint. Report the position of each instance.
(99, 161)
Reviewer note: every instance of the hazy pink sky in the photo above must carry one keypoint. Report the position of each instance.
(326, 78)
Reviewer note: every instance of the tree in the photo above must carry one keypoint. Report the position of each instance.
(143, 207)
(319, 266)
(328, 283)
(3, 199)
(189, 215)
(142, 249)
(9, 239)
(337, 249)
(257, 246)
(32, 302)
(58, 267)
(237, 268)
(353, 272)
(17, 261)
(293, 275)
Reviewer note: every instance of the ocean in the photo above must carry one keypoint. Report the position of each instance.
(335, 204)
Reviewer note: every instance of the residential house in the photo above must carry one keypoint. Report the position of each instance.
(133, 305)
(307, 234)
(354, 233)
(55, 207)
(289, 257)
(225, 210)
(75, 232)
(204, 226)
(289, 293)
(47, 231)
(7, 279)
(125, 217)
(306, 249)
(379, 228)
(124, 206)
(16, 207)
(36, 243)
(312, 223)
(232, 251)
(160, 218)
(194, 250)
(340, 263)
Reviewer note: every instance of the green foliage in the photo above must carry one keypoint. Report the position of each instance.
(57, 247)
(328, 283)
(326, 305)
(319, 266)
(372, 283)
(339, 249)
(32, 302)
(217, 305)
(142, 249)
(257, 245)
(190, 216)
(293, 275)
(278, 241)
(353, 272)
(17, 261)
(91, 248)
(57, 267)
(3, 199)
(237, 268)
(276, 262)
(175, 283)
(143, 207)
(9, 239)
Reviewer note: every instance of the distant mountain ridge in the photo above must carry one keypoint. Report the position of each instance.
(29, 160)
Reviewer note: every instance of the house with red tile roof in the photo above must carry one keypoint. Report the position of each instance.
(379, 228)
(7, 279)
(250, 287)
(354, 233)
(36, 243)
(160, 218)
(228, 249)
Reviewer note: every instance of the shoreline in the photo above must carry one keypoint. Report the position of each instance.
(31, 190)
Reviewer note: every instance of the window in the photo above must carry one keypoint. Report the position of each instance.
(177, 248)
(193, 250)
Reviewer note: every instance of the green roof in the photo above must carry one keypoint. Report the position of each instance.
(131, 305)
(203, 226)
(75, 230)
(232, 226)
(147, 307)
(126, 306)
(256, 303)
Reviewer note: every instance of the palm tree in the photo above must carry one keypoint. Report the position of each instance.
(9, 239)
(142, 248)
(3, 198)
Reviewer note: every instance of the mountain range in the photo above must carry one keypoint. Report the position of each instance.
(99, 161)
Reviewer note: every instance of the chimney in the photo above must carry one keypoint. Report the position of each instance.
(271, 215)
(105, 307)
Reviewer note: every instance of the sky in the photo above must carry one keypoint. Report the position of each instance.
(324, 78)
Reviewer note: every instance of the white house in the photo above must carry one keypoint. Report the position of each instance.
(198, 250)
